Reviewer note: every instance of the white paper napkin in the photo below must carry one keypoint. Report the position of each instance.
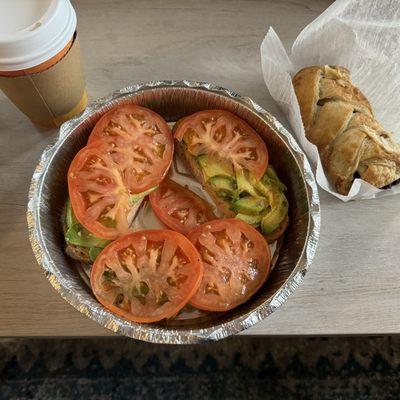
(362, 35)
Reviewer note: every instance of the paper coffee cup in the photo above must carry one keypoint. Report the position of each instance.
(40, 63)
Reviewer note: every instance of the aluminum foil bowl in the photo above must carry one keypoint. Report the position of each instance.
(174, 100)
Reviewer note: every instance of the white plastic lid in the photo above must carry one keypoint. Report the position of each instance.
(33, 31)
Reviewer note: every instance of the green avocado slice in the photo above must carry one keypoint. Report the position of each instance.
(69, 215)
(257, 202)
(212, 166)
(253, 220)
(271, 178)
(244, 184)
(279, 211)
(77, 235)
(94, 252)
(80, 236)
(249, 205)
(224, 187)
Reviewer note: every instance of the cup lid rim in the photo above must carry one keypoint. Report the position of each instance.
(31, 46)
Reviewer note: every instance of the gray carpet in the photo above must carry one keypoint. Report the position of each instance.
(236, 368)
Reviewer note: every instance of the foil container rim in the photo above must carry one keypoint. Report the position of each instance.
(167, 335)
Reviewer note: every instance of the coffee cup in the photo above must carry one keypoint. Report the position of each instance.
(40, 64)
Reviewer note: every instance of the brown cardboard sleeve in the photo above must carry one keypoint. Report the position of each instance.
(52, 96)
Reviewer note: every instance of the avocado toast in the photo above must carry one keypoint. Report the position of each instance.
(81, 244)
(237, 191)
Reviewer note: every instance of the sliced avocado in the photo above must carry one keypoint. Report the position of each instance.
(271, 178)
(70, 218)
(213, 166)
(244, 185)
(249, 205)
(94, 252)
(224, 187)
(279, 211)
(80, 236)
(253, 220)
(77, 235)
(265, 190)
(138, 196)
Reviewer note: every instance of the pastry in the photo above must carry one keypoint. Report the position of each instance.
(339, 120)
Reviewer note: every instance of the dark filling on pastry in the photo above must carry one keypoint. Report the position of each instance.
(391, 184)
(394, 183)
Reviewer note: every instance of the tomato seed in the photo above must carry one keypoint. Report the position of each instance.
(144, 288)
(162, 298)
(119, 299)
(211, 288)
(109, 275)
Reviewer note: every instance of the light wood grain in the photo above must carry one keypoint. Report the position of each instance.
(353, 286)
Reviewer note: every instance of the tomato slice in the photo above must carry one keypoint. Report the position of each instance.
(226, 136)
(236, 260)
(179, 208)
(140, 135)
(100, 191)
(147, 276)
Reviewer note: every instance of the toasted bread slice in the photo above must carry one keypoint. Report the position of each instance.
(78, 253)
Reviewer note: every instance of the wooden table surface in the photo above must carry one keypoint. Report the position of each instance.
(353, 285)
